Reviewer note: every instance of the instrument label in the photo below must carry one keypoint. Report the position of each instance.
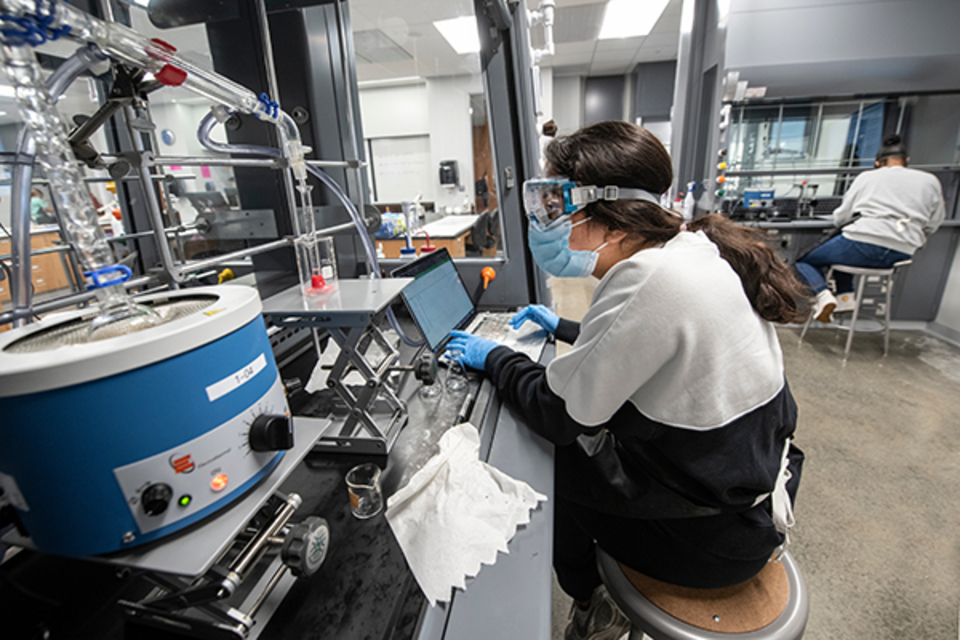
(236, 380)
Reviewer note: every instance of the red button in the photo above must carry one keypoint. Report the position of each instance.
(219, 482)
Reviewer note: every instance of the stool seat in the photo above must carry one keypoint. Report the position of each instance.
(865, 271)
(772, 605)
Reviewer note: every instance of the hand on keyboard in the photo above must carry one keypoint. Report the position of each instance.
(470, 350)
(538, 314)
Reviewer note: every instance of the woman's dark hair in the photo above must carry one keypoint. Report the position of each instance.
(892, 148)
(769, 283)
(626, 155)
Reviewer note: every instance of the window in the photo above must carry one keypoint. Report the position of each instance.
(425, 126)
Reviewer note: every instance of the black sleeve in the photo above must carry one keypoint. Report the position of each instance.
(522, 383)
(567, 331)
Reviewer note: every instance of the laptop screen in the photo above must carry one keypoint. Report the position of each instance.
(437, 298)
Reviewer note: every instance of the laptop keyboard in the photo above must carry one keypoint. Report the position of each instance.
(494, 327)
(528, 339)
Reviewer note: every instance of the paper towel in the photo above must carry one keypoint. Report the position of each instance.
(456, 513)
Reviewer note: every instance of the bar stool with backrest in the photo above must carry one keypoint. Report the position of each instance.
(773, 605)
(861, 275)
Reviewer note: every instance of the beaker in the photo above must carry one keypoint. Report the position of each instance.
(363, 487)
(319, 257)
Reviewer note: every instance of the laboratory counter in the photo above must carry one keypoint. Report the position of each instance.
(364, 588)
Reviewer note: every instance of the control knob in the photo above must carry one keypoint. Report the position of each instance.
(306, 546)
(155, 499)
(271, 433)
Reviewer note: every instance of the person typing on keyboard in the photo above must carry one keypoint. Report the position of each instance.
(671, 414)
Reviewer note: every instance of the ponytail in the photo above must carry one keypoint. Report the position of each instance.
(772, 288)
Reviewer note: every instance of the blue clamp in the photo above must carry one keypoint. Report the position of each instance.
(272, 107)
(115, 274)
(32, 29)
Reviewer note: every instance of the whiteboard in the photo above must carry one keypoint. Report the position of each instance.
(402, 168)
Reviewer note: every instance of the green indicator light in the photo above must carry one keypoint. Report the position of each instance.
(185, 500)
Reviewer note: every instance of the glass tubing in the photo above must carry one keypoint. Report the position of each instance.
(126, 45)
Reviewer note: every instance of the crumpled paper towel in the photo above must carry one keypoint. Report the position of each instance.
(456, 513)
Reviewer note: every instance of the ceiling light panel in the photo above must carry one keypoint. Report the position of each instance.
(578, 23)
(629, 18)
(461, 33)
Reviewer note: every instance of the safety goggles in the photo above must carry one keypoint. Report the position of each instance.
(547, 200)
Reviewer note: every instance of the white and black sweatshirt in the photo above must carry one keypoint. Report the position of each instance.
(671, 361)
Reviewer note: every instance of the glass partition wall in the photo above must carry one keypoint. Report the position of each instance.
(808, 153)
(426, 133)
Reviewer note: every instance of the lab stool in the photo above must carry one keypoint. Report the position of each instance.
(772, 605)
(861, 275)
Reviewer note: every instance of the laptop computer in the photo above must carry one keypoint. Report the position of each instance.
(439, 303)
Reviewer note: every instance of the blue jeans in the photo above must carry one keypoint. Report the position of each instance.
(840, 250)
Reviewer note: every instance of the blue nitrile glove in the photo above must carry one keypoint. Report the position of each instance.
(538, 314)
(470, 350)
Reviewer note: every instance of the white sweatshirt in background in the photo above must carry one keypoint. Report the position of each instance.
(898, 207)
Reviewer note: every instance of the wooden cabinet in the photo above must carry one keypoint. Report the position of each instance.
(46, 271)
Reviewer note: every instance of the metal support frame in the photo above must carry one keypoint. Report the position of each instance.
(203, 606)
(365, 429)
(375, 376)
(352, 317)
(127, 98)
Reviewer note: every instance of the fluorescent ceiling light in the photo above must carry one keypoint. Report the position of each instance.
(6, 91)
(461, 33)
(142, 3)
(630, 18)
(3, 113)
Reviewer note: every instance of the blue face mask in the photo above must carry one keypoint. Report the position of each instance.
(551, 250)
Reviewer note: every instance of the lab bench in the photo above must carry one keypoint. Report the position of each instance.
(364, 588)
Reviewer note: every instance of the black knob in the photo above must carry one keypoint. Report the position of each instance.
(426, 368)
(271, 433)
(155, 499)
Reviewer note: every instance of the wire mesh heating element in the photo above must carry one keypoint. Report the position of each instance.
(75, 332)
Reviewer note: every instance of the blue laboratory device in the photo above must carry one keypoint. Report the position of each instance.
(757, 198)
(111, 444)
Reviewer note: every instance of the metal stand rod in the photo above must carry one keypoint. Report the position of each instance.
(255, 548)
(78, 298)
(270, 163)
(150, 197)
(267, 590)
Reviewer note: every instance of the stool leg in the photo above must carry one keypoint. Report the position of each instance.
(861, 281)
(886, 316)
(806, 325)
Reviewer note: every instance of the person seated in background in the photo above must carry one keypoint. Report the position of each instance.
(40, 212)
(896, 209)
(671, 413)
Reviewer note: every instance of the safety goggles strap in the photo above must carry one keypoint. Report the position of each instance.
(582, 196)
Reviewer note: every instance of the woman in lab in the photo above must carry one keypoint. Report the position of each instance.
(898, 208)
(40, 213)
(671, 414)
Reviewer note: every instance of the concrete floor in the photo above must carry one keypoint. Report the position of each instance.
(877, 516)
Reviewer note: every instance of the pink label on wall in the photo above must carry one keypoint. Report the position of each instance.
(175, 167)
(205, 172)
